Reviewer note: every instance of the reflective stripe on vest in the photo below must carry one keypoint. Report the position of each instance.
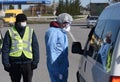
(19, 44)
(1, 41)
(109, 59)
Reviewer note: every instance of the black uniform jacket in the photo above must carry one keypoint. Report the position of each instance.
(6, 59)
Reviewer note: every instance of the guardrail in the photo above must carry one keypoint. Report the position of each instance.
(49, 17)
(42, 18)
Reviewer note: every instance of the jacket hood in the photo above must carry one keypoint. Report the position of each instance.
(54, 24)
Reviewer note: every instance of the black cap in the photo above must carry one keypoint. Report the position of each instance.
(21, 18)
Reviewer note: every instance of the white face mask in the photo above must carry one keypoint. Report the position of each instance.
(67, 28)
(104, 40)
(23, 24)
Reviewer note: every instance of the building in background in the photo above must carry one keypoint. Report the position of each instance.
(97, 8)
(35, 6)
(114, 1)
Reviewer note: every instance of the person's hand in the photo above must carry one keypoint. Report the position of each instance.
(7, 67)
(60, 76)
(34, 66)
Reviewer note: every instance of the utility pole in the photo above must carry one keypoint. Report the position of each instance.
(2, 5)
(53, 4)
(54, 8)
(89, 7)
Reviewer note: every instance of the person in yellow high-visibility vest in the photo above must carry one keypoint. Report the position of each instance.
(20, 51)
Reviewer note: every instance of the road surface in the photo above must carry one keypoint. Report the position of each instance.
(78, 33)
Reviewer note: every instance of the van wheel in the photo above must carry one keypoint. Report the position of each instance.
(78, 76)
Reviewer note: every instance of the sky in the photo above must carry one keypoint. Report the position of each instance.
(86, 2)
(83, 2)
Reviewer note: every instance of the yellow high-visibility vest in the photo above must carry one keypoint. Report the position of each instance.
(109, 59)
(19, 44)
(1, 42)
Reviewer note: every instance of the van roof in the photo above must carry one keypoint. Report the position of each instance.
(111, 12)
(14, 11)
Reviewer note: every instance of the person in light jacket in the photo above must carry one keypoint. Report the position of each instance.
(56, 41)
(104, 49)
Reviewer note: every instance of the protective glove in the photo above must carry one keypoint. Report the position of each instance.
(7, 67)
(34, 66)
(60, 76)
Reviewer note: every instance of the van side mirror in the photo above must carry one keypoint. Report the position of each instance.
(77, 48)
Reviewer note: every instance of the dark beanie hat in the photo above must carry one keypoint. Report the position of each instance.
(21, 18)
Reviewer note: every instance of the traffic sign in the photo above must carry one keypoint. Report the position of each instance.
(24, 1)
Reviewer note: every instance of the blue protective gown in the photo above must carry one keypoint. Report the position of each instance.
(57, 54)
(104, 53)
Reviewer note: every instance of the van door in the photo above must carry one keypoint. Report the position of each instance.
(94, 70)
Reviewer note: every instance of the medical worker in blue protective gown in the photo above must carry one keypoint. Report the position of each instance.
(57, 48)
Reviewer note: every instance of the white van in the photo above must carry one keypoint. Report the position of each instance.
(90, 68)
(92, 21)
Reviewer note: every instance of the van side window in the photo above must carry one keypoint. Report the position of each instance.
(114, 29)
(104, 49)
(100, 28)
(92, 47)
(8, 15)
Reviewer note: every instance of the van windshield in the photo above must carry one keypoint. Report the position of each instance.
(9, 15)
(98, 40)
(93, 18)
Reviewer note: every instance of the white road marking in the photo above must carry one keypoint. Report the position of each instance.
(73, 38)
